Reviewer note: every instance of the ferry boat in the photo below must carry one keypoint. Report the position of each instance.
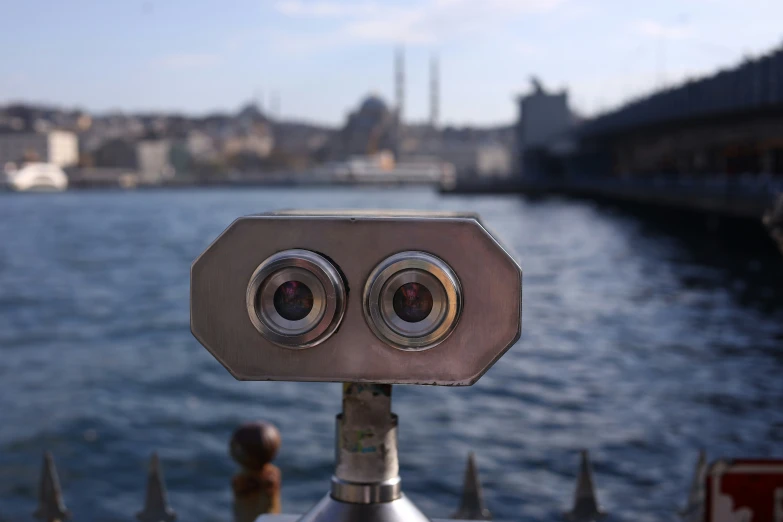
(38, 177)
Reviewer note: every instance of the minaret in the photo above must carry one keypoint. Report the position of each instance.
(434, 92)
(399, 82)
(274, 104)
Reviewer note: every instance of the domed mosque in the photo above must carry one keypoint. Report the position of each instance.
(373, 104)
(370, 129)
(376, 127)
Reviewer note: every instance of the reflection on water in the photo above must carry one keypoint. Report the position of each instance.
(641, 341)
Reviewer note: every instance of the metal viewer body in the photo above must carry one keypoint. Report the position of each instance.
(436, 300)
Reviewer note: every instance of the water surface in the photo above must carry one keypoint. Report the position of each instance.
(641, 343)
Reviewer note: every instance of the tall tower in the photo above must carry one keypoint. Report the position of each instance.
(274, 104)
(434, 92)
(399, 81)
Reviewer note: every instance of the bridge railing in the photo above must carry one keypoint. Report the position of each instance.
(754, 85)
(748, 195)
(736, 186)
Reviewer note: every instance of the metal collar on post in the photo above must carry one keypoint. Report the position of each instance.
(354, 493)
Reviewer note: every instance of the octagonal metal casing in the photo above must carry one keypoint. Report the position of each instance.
(356, 242)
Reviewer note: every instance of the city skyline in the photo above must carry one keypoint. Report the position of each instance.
(320, 58)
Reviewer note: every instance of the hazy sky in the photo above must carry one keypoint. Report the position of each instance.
(323, 56)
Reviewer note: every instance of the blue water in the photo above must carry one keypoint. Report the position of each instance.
(642, 343)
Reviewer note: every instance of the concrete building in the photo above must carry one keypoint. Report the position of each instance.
(201, 146)
(258, 143)
(543, 119)
(116, 153)
(482, 160)
(473, 153)
(60, 148)
(154, 163)
(493, 160)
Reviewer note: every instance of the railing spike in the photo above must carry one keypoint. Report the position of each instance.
(156, 506)
(585, 502)
(695, 506)
(51, 507)
(472, 505)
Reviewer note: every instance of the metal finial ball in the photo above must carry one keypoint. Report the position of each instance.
(255, 444)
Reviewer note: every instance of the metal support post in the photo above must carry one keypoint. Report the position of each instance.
(366, 482)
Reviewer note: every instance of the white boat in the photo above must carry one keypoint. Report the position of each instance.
(36, 177)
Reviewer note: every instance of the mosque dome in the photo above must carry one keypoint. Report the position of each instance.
(373, 103)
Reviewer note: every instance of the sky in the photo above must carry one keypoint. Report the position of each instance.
(319, 58)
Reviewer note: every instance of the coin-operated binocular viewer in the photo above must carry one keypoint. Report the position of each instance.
(367, 299)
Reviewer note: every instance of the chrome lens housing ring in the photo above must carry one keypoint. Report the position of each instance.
(322, 280)
(426, 270)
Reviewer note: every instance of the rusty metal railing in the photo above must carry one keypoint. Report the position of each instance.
(256, 486)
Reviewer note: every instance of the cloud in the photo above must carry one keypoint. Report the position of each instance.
(299, 44)
(179, 61)
(422, 22)
(324, 9)
(409, 26)
(657, 30)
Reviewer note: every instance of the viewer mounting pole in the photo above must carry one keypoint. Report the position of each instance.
(366, 481)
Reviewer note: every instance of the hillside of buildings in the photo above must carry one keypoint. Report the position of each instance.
(249, 144)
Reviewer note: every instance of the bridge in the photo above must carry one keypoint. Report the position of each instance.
(711, 145)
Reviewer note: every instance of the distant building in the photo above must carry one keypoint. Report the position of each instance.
(247, 140)
(469, 159)
(116, 153)
(250, 115)
(200, 146)
(258, 142)
(493, 160)
(369, 130)
(154, 161)
(60, 148)
(543, 118)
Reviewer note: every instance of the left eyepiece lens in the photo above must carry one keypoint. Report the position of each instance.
(293, 300)
(296, 298)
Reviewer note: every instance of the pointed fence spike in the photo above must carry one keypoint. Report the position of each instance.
(51, 507)
(156, 505)
(585, 502)
(695, 507)
(472, 505)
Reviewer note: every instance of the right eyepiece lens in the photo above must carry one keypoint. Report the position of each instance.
(293, 300)
(412, 302)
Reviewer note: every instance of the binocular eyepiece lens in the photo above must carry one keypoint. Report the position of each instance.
(296, 298)
(293, 300)
(412, 302)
